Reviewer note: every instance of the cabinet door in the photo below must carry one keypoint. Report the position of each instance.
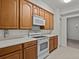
(30, 0)
(9, 13)
(42, 13)
(47, 18)
(55, 42)
(30, 52)
(0, 9)
(51, 45)
(15, 55)
(10, 49)
(35, 10)
(25, 15)
(51, 21)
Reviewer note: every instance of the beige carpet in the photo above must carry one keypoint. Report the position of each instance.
(64, 53)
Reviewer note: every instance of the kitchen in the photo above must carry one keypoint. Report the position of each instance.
(29, 29)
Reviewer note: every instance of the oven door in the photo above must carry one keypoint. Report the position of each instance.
(43, 46)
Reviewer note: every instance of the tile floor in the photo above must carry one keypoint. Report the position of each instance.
(64, 53)
(73, 43)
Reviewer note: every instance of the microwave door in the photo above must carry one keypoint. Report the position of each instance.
(38, 21)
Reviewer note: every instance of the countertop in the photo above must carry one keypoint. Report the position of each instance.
(10, 42)
(50, 35)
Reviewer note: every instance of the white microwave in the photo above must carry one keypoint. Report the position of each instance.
(39, 21)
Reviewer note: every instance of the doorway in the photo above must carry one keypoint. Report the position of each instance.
(73, 32)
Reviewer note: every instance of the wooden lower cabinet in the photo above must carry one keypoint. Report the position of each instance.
(27, 50)
(15, 55)
(30, 52)
(11, 52)
(53, 43)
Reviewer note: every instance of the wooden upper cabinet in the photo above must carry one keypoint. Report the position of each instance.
(47, 22)
(42, 13)
(35, 10)
(25, 15)
(14, 55)
(17, 14)
(0, 9)
(29, 0)
(0, 4)
(9, 13)
(51, 21)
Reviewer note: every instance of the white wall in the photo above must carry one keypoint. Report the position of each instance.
(63, 32)
(73, 28)
(43, 5)
(56, 30)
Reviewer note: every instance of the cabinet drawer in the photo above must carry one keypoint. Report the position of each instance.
(7, 50)
(27, 44)
(54, 37)
(14, 55)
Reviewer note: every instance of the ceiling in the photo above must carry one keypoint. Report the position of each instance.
(64, 7)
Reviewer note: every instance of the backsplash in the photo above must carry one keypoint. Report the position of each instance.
(20, 33)
(12, 34)
(1, 34)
